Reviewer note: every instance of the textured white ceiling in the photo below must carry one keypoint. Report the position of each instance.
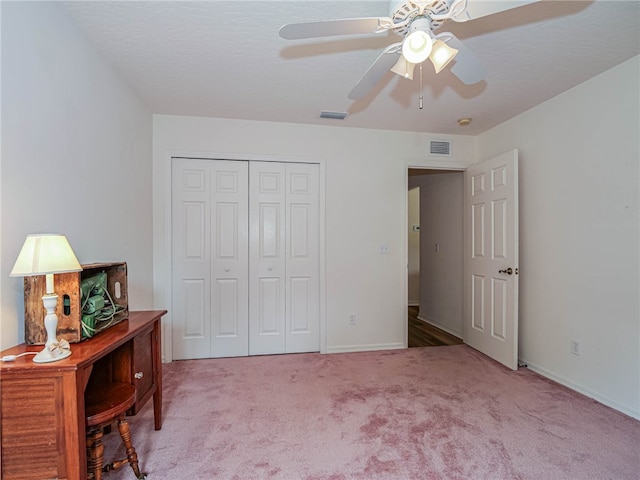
(225, 59)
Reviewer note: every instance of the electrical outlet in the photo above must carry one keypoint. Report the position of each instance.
(575, 347)
(352, 319)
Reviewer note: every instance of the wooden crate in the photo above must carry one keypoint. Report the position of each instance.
(68, 310)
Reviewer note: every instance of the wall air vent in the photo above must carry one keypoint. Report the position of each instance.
(333, 115)
(440, 147)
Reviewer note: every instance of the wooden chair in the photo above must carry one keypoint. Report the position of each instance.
(104, 404)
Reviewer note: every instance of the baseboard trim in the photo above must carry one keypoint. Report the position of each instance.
(581, 389)
(365, 348)
(441, 327)
(413, 304)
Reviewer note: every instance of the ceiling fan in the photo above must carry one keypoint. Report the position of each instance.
(416, 21)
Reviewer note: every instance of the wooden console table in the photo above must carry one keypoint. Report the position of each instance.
(43, 417)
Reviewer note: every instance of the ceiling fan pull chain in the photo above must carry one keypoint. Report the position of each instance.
(421, 96)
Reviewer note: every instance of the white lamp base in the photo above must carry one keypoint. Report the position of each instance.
(45, 356)
(50, 300)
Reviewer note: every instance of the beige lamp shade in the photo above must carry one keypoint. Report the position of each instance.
(44, 254)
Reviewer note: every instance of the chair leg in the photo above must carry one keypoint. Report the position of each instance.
(132, 456)
(95, 453)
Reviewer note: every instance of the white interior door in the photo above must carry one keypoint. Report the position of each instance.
(191, 279)
(491, 258)
(302, 318)
(284, 308)
(245, 258)
(209, 258)
(229, 259)
(267, 258)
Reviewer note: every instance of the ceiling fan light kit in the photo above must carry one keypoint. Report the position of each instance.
(441, 55)
(417, 47)
(403, 68)
(416, 21)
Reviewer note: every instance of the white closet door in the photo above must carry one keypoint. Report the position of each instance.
(191, 273)
(230, 259)
(245, 258)
(284, 308)
(302, 258)
(209, 258)
(267, 258)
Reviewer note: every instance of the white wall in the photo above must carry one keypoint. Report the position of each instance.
(365, 205)
(579, 234)
(442, 271)
(413, 246)
(76, 154)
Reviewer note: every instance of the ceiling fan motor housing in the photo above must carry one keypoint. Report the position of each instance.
(402, 10)
(421, 23)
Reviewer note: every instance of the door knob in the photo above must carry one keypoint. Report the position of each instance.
(508, 271)
(227, 269)
(269, 268)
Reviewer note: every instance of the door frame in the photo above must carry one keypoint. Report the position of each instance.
(405, 218)
(162, 269)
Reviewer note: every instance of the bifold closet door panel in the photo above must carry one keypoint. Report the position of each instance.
(191, 259)
(302, 258)
(230, 259)
(284, 285)
(267, 286)
(209, 258)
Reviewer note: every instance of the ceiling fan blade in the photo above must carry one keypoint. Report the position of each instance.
(465, 65)
(465, 10)
(329, 28)
(376, 71)
(481, 8)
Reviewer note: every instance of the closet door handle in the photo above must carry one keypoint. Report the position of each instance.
(269, 268)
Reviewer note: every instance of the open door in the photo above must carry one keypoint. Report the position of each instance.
(491, 258)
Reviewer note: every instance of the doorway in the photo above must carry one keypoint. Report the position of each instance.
(435, 317)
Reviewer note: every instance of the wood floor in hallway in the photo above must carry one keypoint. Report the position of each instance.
(421, 334)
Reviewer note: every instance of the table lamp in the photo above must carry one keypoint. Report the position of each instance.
(46, 254)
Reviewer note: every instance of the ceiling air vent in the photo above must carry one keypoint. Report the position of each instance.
(440, 147)
(333, 115)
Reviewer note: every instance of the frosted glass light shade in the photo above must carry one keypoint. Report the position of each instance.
(43, 254)
(441, 54)
(403, 68)
(417, 47)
